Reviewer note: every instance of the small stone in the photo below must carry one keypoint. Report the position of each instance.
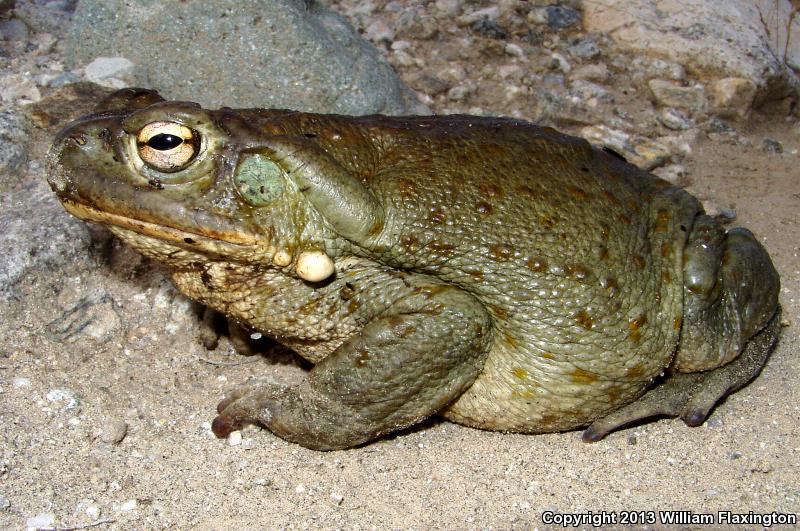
(674, 119)
(113, 72)
(411, 24)
(560, 63)
(489, 29)
(514, 50)
(650, 154)
(428, 84)
(586, 49)
(670, 94)
(591, 72)
(4, 503)
(128, 506)
(14, 30)
(769, 145)
(337, 499)
(487, 13)
(19, 88)
(586, 90)
(673, 173)
(561, 17)
(67, 396)
(300, 489)
(113, 431)
(235, 438)
(448, 8)
(21, 383)
(379, 31)
(403, 58)
(732, 96)
(459, 93)
(43, 520)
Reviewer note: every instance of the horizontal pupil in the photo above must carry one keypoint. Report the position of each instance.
(164, 142)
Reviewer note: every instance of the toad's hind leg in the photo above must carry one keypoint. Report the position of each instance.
(730, 303)
(404, 365)
(691, 396)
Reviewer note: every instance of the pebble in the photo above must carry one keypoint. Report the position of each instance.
(513, 50)
(378, 31)
(113, 431)
(19, 88)
(586, 90)
(667, 93)
(4, 503)
(112, 72)
(39, 521)
(337, 498)
(235, 438)
(732, 96)
(585, 49)
(68, 396)
(448, 8)
(673, 173)
(591, 72)
(487, 13)
(489, 29)
(21, 383)
(674, 119)
(769, 145)
(128, 506)
(14, 30)
(561, 17)
(559, 62)
(459, 93)
(300, 489)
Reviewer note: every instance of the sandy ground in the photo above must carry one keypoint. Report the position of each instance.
(106, 398)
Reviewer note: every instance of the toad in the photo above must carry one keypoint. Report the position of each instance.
(500, 274)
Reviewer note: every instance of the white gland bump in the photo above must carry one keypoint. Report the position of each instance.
(282, 258)
(314, 266)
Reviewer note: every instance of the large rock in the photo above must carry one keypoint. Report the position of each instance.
(242, 53)
(714, 40)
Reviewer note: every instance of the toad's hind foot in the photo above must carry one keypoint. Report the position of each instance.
(691, 396)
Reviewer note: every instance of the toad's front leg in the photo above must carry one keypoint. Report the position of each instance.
(404, 365)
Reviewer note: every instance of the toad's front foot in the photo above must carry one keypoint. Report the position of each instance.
(691, 396)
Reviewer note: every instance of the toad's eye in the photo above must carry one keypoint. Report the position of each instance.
(167, 146)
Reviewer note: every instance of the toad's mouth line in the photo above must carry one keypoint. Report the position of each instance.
(182, 237)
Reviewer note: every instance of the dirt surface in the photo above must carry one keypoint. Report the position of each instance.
(107, 393)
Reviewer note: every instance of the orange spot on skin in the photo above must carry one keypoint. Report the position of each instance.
(510, 340)
(406, 188)
(635, 327)
(309, 307)
(353, 306)
(475, 274)
(611, 198)
(483, 208)
(635, 372)
(524, 393)
(491, 190)
(363, 358)
(409, 242)
(527, 191)
(436, 217)
(663, 218)
(401, 327)
(604, 231)
(602, 253)
(520, 373)
(639, 261)
(583, 319)
(501, 253)
(537, 264)
(666, 249)
(579, 376)
(441, 248)
(624, 219)
(578, 193)
(498, 311)
(666, 276)
(548, 355)
(548, 221)
(613, 394)
(611, 284)
(677, 323)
